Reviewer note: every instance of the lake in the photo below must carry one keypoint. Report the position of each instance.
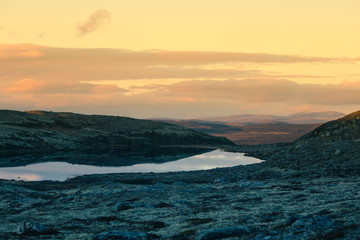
(60, 171)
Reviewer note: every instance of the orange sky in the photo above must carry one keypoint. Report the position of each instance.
(180, 59)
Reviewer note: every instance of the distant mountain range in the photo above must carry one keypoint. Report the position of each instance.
(298, 118)
(259, 129)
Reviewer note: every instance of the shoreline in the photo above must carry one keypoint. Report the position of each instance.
(263, 201)
(239, 202)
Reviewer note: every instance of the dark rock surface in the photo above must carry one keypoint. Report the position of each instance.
(254, 203)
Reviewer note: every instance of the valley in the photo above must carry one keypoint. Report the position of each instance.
(259, 129)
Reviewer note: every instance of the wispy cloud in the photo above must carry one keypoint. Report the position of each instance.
(95, 21)
(41, 35)
(183, 99)
(262, 91)
(19, 52)
(169, 58)
(90, 80)
(120, 64)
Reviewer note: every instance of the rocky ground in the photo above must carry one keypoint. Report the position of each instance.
(308, 189)
(249, 202)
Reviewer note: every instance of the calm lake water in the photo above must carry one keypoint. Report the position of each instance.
(60, 171)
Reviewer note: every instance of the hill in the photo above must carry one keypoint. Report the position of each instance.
(38, 132)
(333, 146)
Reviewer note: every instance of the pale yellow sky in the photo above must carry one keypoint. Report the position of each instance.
(329, 28)
(305, 42)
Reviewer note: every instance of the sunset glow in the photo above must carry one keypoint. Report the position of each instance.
(180, 59)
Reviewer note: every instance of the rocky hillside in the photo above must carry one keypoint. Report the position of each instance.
(334, 146)
(40, 131)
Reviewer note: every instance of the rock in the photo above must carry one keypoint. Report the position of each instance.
(261, 236)
(220, 233)
(179, 183)
(122, 206)
(250, 184)
(337, 152)
(31, 228)
(222, 180)
(308, 225)
(123, 235)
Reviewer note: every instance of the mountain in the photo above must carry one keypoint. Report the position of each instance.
(48, 132)
(298, 118)
(259, 129)
(212, 128)
(333, 145)
(314, 117)
(250, 134)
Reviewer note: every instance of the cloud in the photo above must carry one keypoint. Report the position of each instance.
(23, 86)
(95, 21)
(41, 35)
(41, 62)
(45, 87)
(183, 99)
(20, 51)
(89, 81)
(260, 91)
(168, 58)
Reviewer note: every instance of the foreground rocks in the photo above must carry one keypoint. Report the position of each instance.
(229, 203)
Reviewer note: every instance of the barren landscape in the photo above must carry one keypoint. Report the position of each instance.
(295, 194)
(176, 120)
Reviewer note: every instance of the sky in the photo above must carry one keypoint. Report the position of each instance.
(180, 59)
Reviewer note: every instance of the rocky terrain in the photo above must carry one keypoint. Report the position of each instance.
(333, 146)
(228, 203)
(35, 136)
(308, 189)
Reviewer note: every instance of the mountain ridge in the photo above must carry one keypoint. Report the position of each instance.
(301, 117)
(250, 129)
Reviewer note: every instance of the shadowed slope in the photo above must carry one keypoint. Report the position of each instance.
(40, 132)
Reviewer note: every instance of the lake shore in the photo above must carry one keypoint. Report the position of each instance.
(243, 202)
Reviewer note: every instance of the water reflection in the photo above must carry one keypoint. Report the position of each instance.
(60, 171)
